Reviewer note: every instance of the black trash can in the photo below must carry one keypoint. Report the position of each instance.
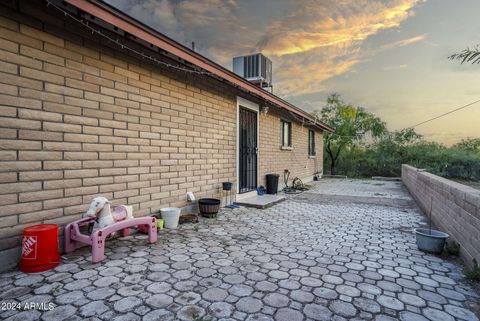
(272, 183)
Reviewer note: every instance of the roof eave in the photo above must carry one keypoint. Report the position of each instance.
(119, 19)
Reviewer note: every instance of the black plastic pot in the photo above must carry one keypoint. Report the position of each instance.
(272, 183)
(209, 207)
(227, 186)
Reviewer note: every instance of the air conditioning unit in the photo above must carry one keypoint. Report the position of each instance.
(255, 68)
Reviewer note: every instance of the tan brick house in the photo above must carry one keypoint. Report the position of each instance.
(82, 115)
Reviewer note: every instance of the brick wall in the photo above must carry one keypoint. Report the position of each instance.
(272, 159)
(77, 122)
(80, 118)
(455, 208)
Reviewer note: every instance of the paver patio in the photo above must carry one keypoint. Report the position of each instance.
(343, 250)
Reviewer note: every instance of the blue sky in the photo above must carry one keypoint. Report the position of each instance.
(389, 56)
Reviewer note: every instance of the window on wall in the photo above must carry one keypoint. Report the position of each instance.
(286, 134)
(311, 143)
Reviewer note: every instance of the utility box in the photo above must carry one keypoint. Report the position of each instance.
(255, 68)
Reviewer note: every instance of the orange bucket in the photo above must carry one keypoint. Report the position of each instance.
(40, 248)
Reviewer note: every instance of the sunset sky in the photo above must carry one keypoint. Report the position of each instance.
(389, 56)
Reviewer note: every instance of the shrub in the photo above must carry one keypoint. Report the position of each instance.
(453, 248)
(385, 158)
(474, 273)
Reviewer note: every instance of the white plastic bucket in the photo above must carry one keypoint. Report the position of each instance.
(170, 215)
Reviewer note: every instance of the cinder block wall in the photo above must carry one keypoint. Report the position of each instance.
(80, 118)
(455, 207)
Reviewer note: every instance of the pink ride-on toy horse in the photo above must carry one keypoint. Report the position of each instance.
(105, 222)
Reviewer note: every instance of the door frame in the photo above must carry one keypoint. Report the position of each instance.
(242, 102)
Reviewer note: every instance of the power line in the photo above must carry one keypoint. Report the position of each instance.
(425, 121)
(444, 114)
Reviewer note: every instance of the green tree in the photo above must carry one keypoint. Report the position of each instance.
(386, 156)
(468, 55)
(403, 137)
(351, 123)
(470, 145)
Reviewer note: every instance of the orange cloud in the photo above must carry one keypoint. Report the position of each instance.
(404, 42)
(331, 23)
(295, 80)
(323, 39)
(309, 41)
